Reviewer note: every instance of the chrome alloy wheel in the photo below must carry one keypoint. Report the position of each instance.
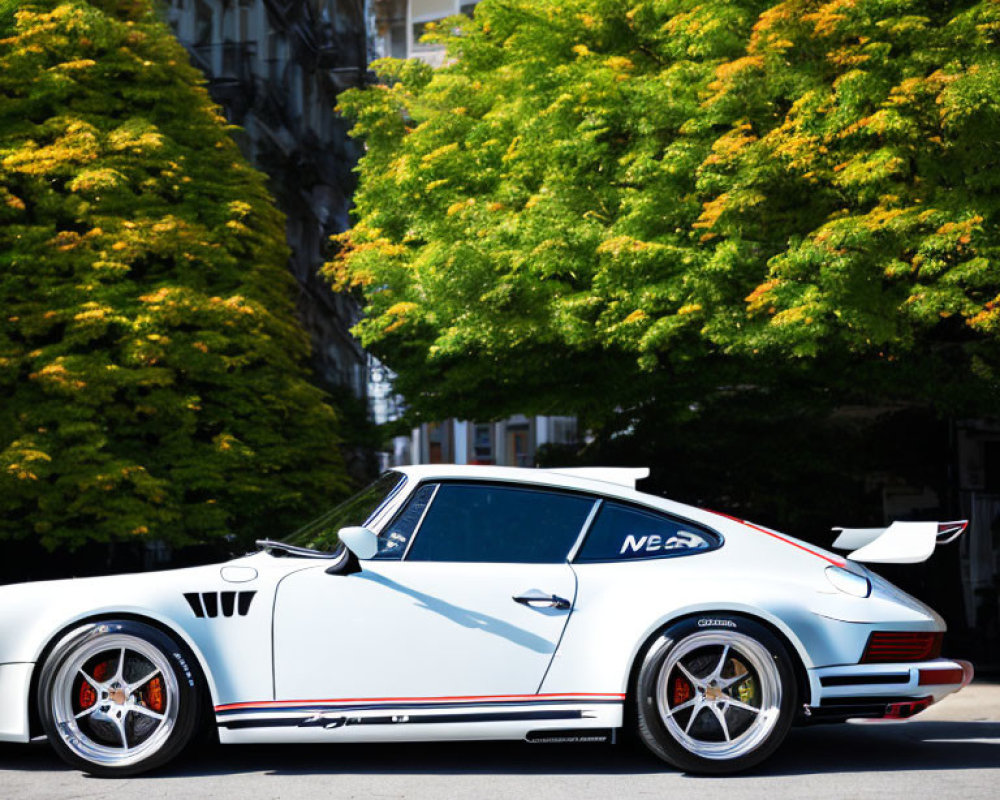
(719, 694)
(114, 700)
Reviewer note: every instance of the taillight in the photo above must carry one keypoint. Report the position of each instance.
(891, 646)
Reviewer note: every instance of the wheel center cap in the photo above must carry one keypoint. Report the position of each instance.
(118, 696)
(714, 693)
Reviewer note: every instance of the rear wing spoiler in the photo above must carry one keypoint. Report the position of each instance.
(900, 543)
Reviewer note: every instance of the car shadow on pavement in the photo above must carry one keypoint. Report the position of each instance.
(817, 750)
(884, 747)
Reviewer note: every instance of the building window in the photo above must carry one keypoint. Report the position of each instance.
(482, 444)
(436, 443)
(397, 40)
(562, 430)
(518, 446)
(273, 55)
(244, 21)
(423, 12)
(202, 23)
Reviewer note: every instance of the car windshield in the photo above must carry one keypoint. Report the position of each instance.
(321, 533)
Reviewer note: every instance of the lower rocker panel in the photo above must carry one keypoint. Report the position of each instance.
(514, 722)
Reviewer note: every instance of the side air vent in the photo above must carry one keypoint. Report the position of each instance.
(207, 604)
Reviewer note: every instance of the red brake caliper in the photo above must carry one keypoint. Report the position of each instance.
(154, 695)
(101, 671)
(682, 691)
(88, 696)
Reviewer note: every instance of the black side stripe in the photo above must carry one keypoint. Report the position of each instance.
(320, 721)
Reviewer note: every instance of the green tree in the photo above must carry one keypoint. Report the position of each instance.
(615, 207)
(152, 374)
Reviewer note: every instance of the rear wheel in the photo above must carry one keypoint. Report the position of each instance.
(715, 695)
(118, 698)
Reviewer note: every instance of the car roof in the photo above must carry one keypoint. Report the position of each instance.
(606, 481)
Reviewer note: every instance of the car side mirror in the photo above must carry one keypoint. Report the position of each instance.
(360, 541)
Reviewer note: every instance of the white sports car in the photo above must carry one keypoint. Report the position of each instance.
(452, 602)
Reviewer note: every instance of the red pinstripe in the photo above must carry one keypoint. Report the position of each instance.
(465, 698)
(835, 561)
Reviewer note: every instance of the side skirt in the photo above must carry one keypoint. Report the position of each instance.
(475, 718)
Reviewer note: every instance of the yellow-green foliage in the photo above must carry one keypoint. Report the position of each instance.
(152, 379)
(600, 202)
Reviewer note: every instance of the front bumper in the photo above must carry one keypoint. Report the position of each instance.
(883, 691)
(15, 685)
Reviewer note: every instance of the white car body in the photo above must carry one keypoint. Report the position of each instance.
(421, 650)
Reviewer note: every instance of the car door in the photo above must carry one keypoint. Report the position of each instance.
(468, 596)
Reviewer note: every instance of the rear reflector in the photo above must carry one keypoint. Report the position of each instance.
(890, 647)
(907, 709)
(938, 677)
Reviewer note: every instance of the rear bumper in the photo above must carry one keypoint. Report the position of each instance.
(883, 691)
(15, 684)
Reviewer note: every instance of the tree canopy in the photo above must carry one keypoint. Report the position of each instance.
(153, 378)
(604, 204)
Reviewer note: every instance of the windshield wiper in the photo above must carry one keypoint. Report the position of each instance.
(271, 546)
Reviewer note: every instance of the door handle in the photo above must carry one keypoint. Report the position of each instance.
(542, 600)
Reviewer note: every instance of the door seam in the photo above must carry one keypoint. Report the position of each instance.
(572, 608)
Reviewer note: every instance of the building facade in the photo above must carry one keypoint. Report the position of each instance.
(512, 442)
(276, 67)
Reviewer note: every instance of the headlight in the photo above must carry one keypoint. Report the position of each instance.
(849, 582)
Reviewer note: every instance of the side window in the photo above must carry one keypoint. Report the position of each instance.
(393, 540)
(622, 533)
(486, 523)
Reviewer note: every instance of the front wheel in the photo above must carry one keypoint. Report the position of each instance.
(118, 698)
(715, 694)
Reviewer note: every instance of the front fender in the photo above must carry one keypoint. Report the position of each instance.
(231, 644)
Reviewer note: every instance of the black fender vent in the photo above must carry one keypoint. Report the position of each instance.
(207, 604)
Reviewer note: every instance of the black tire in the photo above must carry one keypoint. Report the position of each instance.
(694, 707)
(97, 720)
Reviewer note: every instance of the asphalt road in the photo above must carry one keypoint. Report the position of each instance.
(952, 750)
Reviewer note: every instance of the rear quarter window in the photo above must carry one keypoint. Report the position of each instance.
(626, 533)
